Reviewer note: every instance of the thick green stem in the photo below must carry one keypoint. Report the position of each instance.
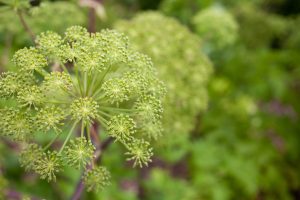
(82, 129)
(51, 142)
(85, 84)
(104, 113)
(68, 137)
(42, 72)
(92, 84)
(99, 83)
(25, 25)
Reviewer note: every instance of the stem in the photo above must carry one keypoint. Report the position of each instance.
(25, 25)
(103, 121)
(56, 102)
(68, 137)
(141, 175)
(85, 84)
(78, 191)
(42, 72)
(99, 150)
(7, 47)
(92, 84)
(82, 129)
(78, 81)
(92, 20)
(94, 134)
(80, 185)
(118, 109)
(98, 84)
(64, 68)
(97, 92)
(51, 142)
(104, 113)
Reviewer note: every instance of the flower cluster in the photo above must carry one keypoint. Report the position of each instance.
(96, 179)
(216, 27)
(99, 79)
(180, 64)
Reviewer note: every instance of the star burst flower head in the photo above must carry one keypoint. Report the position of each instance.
(97, 179)
(99, 80)
(79, 152)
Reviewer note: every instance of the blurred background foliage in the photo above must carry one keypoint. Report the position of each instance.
(235, 135)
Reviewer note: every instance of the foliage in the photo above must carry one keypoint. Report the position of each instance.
(272, 26)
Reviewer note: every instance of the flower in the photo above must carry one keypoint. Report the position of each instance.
(216, 27)
(79, 152)
(100, 80)
(121, 127)
(139, 152)
(97, 178)
(30, 155)
(49, 118)
(29, 60)
(85, 109)
(48, 165)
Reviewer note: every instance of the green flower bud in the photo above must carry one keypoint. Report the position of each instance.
(149, 108)
(121, 127)
(96, 179)
(30, 155)
(30, 96)
(48, 165)
(79, 152)
(85, 109)
(140, 152)
(11, 83)
(49, 118)
(153, 130)
(48, 42)
(56, 80)
(29, 60)
(216, 27)
(16, 124)
(136, 83)
(76, 34)
(116, 90)
(91, 61)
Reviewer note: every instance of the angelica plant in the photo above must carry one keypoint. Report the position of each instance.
(216, 27)
(177, 54)
(100, 80)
